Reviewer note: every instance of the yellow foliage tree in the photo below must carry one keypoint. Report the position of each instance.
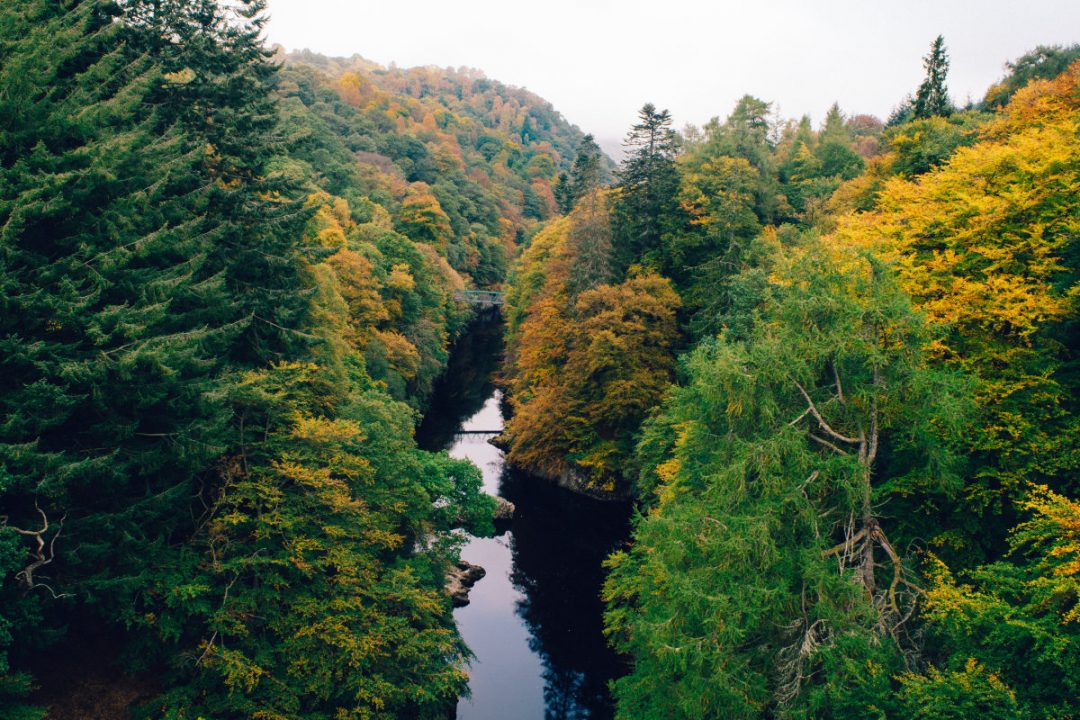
(986, 245)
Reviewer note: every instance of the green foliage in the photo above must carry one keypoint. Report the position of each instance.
(310, 604)
(1045, 62)
(585, 176)
(227, 286)
(691, 208)
(564, 193)
(986, 246)
(644, 205)
(133, 272)
(19, 616)
(589, 243)
(1009, 634)
(735, 182)
(932, 97)
(920, 146)
(760, 583)
(896, 380)
(588, 170)
(184, 318)
(753, 588)
(971, 692)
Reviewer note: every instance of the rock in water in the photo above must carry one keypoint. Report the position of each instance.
(460, 579)
(504, 509)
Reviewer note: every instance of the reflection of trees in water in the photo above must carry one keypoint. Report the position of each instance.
(566, 696)
(560, 540)
(467, 382)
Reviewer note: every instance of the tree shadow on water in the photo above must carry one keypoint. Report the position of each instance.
(467, 382)
(560, 540)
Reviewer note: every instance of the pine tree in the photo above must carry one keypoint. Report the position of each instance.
(834, 128)
(585, 176)
(932, 97)
(114, 318)
(564, 193)
(745, 134)
(589, 243)
(645, 204)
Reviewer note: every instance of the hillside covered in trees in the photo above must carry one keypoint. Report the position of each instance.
(226, 288)
(837, 368)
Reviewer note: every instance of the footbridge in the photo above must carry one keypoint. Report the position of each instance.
(484, 299)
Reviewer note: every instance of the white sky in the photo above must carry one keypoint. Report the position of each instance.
(598, 61)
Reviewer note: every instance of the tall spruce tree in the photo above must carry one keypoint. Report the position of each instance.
(564, 193)
(645, 202)
(932, 97)
(586, 173)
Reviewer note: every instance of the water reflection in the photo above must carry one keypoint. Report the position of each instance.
(467, 383)
(560, 541)
(535, 620)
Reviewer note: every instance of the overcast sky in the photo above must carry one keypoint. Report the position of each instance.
(598, 61)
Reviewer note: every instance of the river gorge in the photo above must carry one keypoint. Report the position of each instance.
(534, 621)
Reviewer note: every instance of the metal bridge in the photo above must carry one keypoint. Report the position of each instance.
(483, 298)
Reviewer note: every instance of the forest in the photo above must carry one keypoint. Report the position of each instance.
(227, 285)
(834, 367)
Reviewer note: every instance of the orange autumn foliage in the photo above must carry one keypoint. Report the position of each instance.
(585, 369)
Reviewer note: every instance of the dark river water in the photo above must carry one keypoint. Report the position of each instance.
(534, 621)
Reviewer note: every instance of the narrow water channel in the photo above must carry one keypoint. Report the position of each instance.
(534, 622)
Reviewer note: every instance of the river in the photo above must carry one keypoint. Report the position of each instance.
(534, 622)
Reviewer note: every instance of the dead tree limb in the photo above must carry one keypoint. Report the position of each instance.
(821, 420)
(43, 554)
(828, 444)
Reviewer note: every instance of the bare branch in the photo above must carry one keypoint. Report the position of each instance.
(821, 421)
(209, 644)
(846, 545)
(797, 420)
(42, 555)
(224, 600)
(828, 444)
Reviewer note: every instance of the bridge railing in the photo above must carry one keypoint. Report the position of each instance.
(481, 297)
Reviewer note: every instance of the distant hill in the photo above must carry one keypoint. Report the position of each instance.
(444, 151)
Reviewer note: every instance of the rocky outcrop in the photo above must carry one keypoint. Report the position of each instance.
(570, 478)
(459, 581)
(573, 479)
(504, 510)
